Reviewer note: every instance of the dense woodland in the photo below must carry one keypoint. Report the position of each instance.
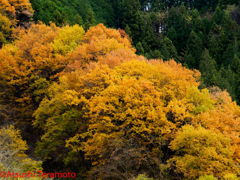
(120, 89)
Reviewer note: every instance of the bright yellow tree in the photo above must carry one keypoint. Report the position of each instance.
(200, 151)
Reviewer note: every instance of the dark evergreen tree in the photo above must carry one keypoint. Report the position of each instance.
(157, 5)
(165, 53)
(171, 50)
(203, 38)
(65, 18)
(183, 31)
(78, 20)
(139, 48)
(182, 9)
(198, 25)
(90, 20)
(189, 61)
(128, 31)
(235, 66)
(207, 26)
(172, 17)
(118, 9)
(194, 47)
(57, 18)
(207, 67)
(172, 35)
(214, 49)
(223, 42)
(155, 54)
(217, 15)
(215, 28)
(133, 18)
(149, 39)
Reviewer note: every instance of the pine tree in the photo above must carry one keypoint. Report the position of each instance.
(198, 25)
(172, 17)
(139, 48)
(149, 38)
(133, 18)
(90, 20)
(156, 54)
(207, 25)
(235, 66)
(182, 9)
(203, 38)
(226, 22)
(65, 17)
(215, 28)
(217, 15)
(214, 49)
(172, 35)
(57, 18)
(165, 52)
(207, 68)
(157, 5)
(78, 20)
(223, 42)
(128, 31)
(172, 52)
(194, 47)
(182, 31)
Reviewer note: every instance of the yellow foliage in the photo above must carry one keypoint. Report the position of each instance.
(131, 97)
(224, 118)
(12, 153)
(202, 152)
(5, 29)
(98, 42)
(68, 39)
(16, 5)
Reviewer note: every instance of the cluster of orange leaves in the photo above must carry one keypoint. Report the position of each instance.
(16, 5)
(100, 91)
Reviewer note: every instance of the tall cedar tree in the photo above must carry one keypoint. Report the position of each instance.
(134, 20)
(90, 20)
(172, 35)
(207, 67)
(194, 47)
(172, 17)
(214, 49)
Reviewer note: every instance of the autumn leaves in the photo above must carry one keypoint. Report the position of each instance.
(96, 104)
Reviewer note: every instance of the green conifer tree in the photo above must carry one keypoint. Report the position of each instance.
(139, 48)
(182, 9)
(78, 20)
(128, 31)
(235, 66)
(214, 49)
(172, 52)
(172, 17)
(65, 17)
(165, 53)
(183, 31)
(90, 20)
(57, 18)
(207, 68)
(223, 42)
(194, 47)
(172, 35)
(217, 15)
(133, 18)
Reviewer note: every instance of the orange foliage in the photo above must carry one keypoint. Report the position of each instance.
(225, 118)
(98, 42)
(16, 5)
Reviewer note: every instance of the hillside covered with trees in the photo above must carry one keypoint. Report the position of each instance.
(120, 90)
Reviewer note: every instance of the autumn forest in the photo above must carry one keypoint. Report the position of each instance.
(120, 89)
